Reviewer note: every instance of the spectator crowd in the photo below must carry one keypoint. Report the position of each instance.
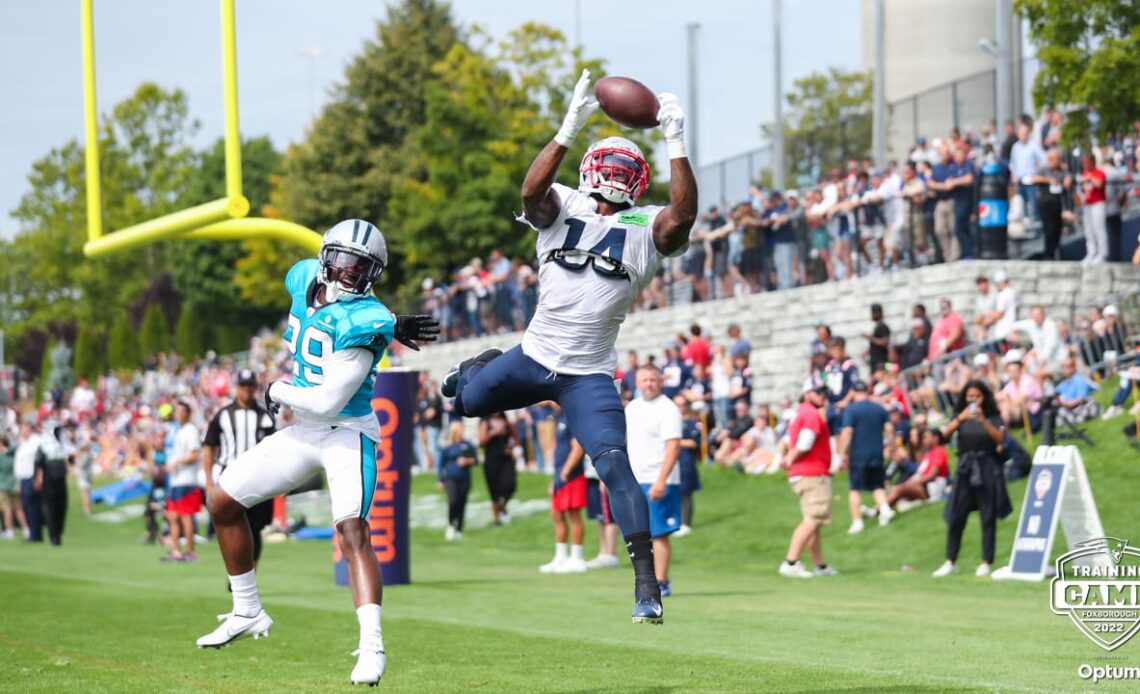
(866, 218)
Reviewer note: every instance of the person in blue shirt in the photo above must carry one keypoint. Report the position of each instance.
(781, 239)
(688, 460)
(568, 497)
(455, 462)
(941, 182)
(674, 373)
(962, 192)
(1074, 396)
(840, 374)
(861, 448)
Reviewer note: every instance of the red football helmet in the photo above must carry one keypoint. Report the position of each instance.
(615, 169)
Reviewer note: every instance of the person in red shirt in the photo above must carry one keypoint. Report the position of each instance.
(696, 351)
(949, 333)
(1092, 188)
(808, 463)
(933, 474)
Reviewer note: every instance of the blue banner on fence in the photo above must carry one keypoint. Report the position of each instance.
(394, 402)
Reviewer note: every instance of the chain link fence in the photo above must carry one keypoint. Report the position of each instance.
(968, 104)
(727, 181)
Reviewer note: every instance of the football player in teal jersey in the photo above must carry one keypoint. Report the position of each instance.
(337, 332)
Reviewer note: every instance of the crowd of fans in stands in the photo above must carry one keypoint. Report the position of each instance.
(863, 219)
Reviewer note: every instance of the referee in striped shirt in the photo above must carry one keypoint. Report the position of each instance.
(236, 428)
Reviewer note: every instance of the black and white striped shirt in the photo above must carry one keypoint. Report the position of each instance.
(234, 430)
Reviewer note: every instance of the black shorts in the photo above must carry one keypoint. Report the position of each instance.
(866, 478)
(260, 515)
(752, 260)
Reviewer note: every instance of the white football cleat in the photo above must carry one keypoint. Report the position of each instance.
(370, 666)
(825, 571)
(603, 561)
(982, 571)
(552, 566)
(571, 566)
(946, 569)
(796, 570)
(685, 530)
(856, 527)
(885, 515)
(236, 627)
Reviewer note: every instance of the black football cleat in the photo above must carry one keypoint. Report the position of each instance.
(450, 382)
(648, 611)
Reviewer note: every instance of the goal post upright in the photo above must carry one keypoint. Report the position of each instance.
(224, 219)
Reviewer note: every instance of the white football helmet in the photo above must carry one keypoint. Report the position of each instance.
(614, 168)
(353, 254)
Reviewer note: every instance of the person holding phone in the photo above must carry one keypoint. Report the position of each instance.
(979, 484)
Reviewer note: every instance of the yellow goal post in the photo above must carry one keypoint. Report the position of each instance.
(224, 219)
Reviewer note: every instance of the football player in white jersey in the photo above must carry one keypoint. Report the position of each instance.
(338, 332)
(597, 250)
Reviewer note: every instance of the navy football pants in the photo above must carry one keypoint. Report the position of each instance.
(593, 412)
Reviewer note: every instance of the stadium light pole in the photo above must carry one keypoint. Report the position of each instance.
(879, 89)
(694, 104)
(578, 24)
(778, 98)
(1003, 77)
(312, 53)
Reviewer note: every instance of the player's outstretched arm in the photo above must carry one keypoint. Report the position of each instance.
(540, 202)
(672, 226)
(343, 373)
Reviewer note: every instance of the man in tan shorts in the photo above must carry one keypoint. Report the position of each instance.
(808, 463)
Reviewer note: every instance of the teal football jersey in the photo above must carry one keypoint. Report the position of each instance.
(314, 334)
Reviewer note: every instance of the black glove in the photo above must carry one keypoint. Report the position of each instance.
(411, 330)
(271, 405)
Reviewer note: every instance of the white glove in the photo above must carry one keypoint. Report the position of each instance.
(672, 119)
(582, 106)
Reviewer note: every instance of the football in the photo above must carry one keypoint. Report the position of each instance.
(627, 102)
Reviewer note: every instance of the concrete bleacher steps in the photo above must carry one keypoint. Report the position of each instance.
(780, 325)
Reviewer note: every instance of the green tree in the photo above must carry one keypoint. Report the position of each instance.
(190, 332)
(154, 333)
(359, 146)
(145, 164)
(89, 362)
(828, 122)
(490, 108)
(1084, 48)
(123, 349)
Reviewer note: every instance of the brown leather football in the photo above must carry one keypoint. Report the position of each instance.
(627, 102)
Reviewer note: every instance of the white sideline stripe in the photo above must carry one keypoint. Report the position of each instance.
(120, 513)
(426, 511)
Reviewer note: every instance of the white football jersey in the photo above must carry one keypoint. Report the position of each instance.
(591, 268)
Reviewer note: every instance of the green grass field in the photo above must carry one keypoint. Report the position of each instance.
(103, 614)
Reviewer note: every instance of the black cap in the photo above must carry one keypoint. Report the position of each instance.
(246, 377)
(859, 386)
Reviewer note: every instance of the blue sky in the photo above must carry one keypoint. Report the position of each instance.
(176, 43)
